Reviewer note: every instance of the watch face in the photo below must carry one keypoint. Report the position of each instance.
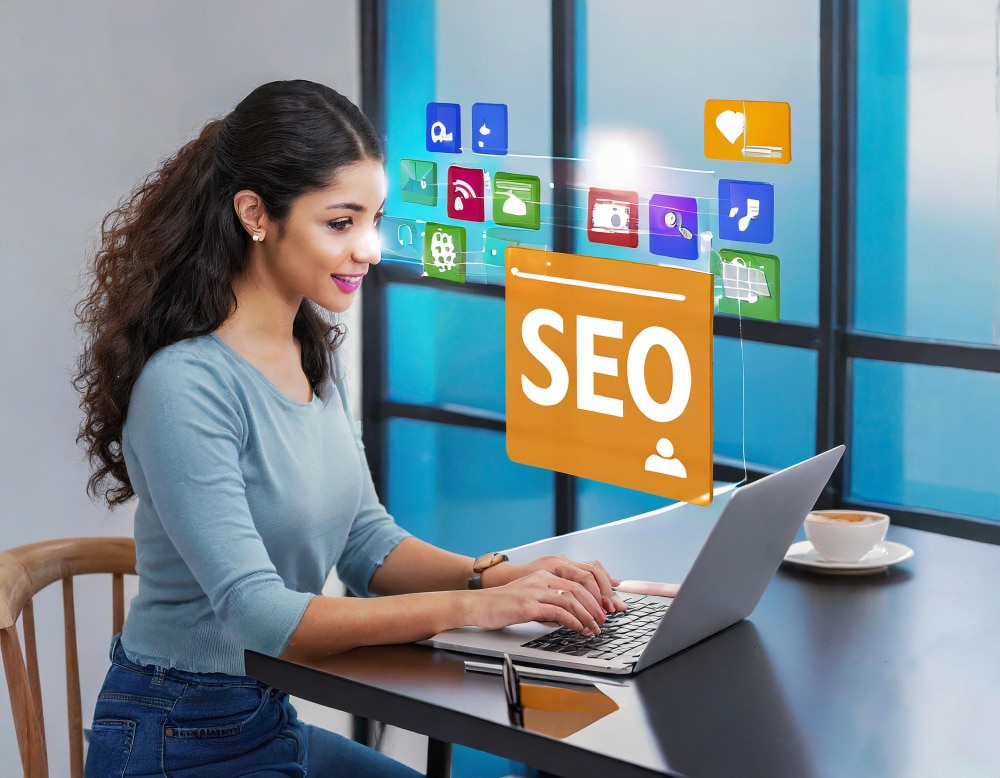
(486, 561)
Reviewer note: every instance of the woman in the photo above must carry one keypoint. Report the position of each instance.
(213, 392)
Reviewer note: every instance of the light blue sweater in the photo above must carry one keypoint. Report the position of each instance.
(246, 502)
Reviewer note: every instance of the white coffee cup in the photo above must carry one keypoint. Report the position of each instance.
(845, 535)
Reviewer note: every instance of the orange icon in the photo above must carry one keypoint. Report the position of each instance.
(748, 131)
(609, 371)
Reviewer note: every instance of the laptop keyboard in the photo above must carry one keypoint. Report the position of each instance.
(625, 632)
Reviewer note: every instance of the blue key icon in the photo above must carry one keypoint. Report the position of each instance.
(444, 127)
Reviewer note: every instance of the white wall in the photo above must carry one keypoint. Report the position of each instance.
(92, 95)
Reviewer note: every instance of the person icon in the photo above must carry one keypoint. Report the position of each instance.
(663, 462)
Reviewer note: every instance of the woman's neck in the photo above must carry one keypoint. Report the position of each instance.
(262, 316)
(260, 331)
(261, 324)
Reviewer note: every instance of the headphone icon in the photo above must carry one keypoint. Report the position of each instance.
(408, 239)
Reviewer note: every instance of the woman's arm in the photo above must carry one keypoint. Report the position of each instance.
(547, 589)
(334, 624)
(416, 566)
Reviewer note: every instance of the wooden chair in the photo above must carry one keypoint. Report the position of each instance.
(24, 571)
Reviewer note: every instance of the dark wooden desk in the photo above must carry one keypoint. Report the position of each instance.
(895, 674)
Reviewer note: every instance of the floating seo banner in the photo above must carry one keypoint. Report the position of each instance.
(609, 371)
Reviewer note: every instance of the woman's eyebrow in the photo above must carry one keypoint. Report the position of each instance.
(347, 206)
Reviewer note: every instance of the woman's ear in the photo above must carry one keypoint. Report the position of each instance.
(251, 212)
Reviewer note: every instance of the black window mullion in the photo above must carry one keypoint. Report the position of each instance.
(564, 86)
(372, 38)
(373, 303)
(838, 64)
(917, 351)
(760, 331)
(472, 418)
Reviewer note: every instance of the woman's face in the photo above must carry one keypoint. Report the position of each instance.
(329, 239)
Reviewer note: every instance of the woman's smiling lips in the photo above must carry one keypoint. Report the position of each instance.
(347, 283)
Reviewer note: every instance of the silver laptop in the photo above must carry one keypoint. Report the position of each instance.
(723, 586)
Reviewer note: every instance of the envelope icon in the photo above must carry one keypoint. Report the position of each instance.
(418, 181)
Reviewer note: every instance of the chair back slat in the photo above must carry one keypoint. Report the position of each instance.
(117, 603)
(73, 704)
(24, 571)
(31, 654)
(27, 718)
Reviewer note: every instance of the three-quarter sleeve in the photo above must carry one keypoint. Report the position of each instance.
(374, 533)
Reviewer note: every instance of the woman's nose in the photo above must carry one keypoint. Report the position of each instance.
(369, 247)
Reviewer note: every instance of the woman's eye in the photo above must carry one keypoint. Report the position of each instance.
(340, 224)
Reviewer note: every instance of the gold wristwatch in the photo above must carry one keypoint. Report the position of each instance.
(484, 563)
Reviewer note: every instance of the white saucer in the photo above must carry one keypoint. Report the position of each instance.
(879, 558)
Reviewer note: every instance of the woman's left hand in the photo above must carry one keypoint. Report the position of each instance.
(590, 575)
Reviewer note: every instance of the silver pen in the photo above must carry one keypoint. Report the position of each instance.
(543, 674)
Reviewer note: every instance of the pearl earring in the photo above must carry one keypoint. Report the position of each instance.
(257, 238)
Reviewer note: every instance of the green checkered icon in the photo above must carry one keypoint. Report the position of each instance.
(517, 200)
(748, 284)
(418, 181)
(444, 252)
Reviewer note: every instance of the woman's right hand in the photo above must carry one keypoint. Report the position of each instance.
(540, 596)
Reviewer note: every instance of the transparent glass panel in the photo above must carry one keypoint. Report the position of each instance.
(444, 348)
(599, 503)
(927, 176)
(778, 421)
(456, 488)
(926, 437)
(449, 51)
(647, 68)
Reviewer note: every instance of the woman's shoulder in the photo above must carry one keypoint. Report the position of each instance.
(185, 383)
(188, 354)
(193, 363)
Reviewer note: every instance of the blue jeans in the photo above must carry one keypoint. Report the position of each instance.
(154, 721)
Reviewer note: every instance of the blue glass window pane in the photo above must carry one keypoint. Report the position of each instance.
(409, 85)
(880, 201)
(927, 199)
(927, 437)
(425, 40)
(456, 488)
(598, 503)
(779, 420)
(645, 77)
(445, 348)
(468, 763)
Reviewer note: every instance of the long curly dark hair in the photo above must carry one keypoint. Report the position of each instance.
(170, 251)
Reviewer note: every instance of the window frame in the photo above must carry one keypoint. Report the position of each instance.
(834, 339)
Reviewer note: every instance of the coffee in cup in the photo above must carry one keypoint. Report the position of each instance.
(845, 535)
